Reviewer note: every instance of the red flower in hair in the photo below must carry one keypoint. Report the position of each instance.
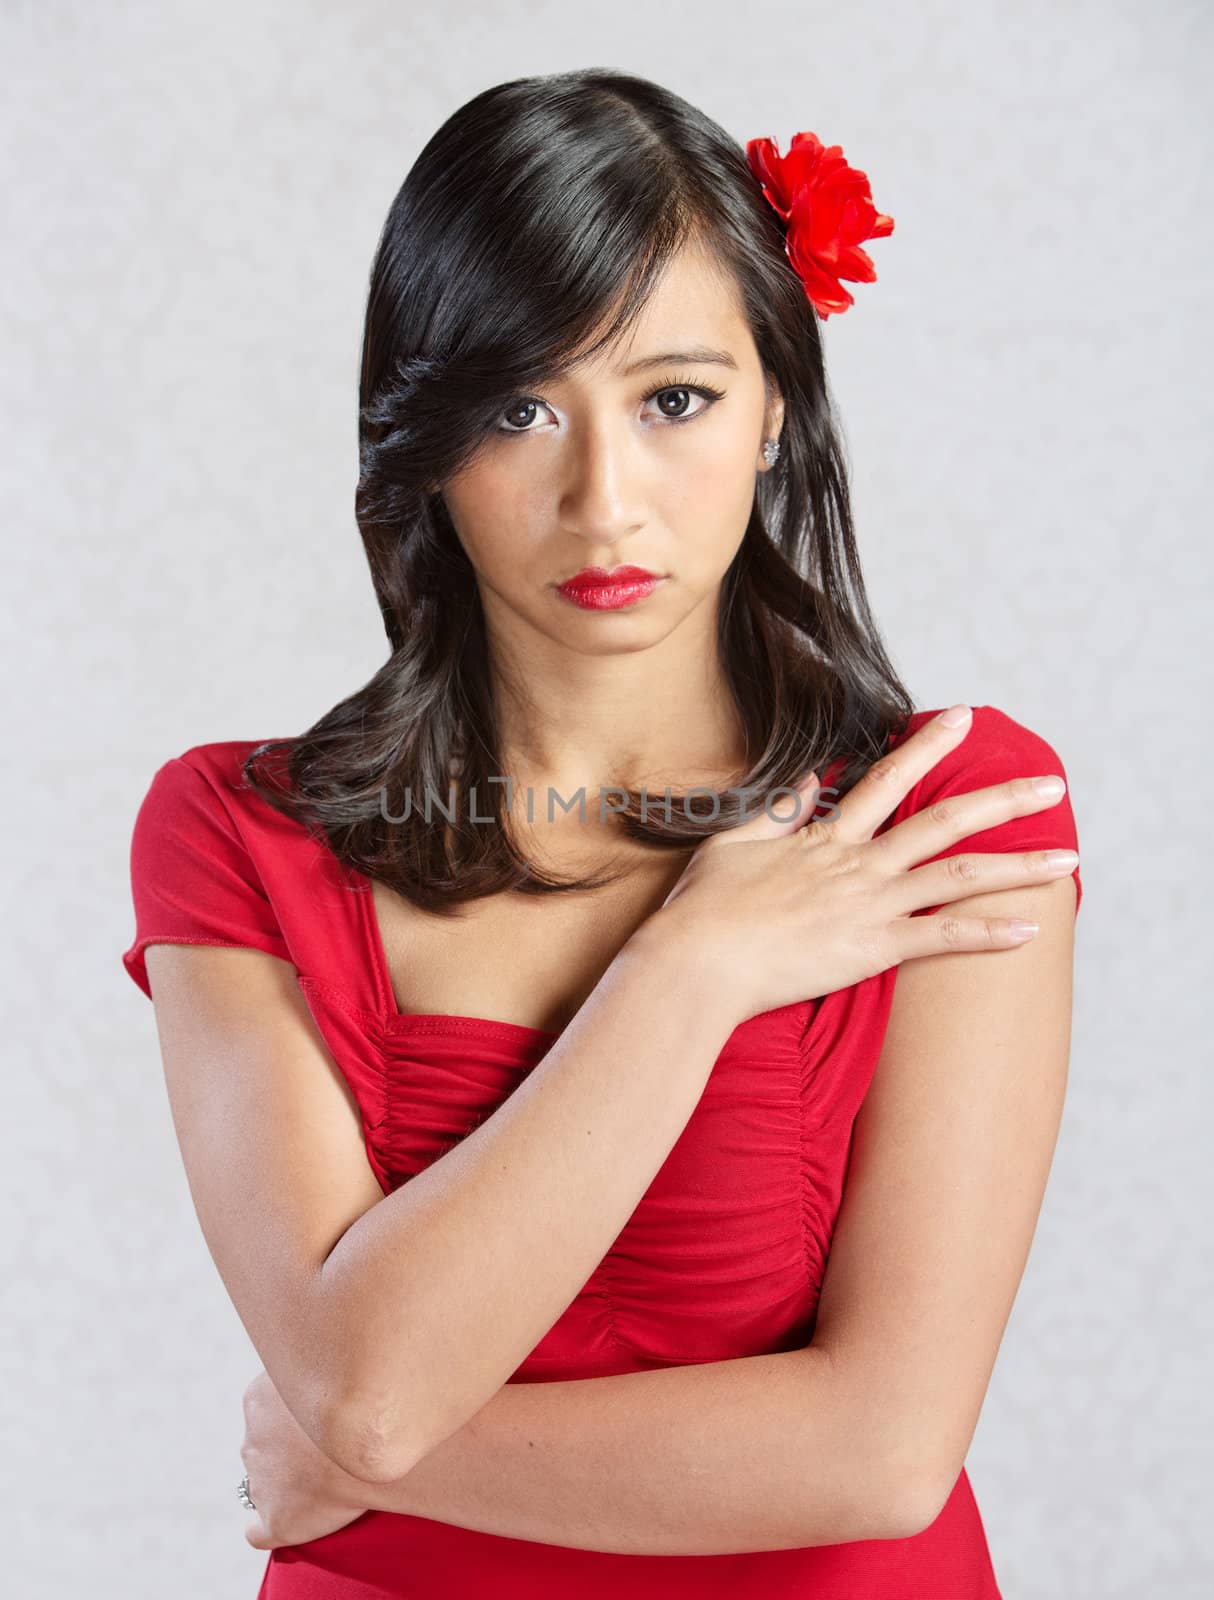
(829, 209)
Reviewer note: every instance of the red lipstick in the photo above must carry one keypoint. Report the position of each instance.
(597, 589)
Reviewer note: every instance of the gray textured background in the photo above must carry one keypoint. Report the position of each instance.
(193, 196)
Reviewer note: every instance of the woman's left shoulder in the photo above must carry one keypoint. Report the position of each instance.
(995, 749)
(994, 740)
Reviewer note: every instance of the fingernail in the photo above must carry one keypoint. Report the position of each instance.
(954, 716)
(1019, 929)
(1062, 860)
(1049, 787)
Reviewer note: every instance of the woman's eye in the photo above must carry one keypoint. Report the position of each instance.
(674, 401)
(682, 398)
(524, 409)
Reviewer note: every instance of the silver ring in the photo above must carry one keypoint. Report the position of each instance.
(242, 1489)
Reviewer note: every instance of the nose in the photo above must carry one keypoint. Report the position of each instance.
(602, 502)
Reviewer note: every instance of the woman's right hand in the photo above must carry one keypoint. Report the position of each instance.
(790, 911)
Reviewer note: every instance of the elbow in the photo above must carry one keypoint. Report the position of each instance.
(914, 1498)
(913, 1510)
(899, 1488)
(908, 1487)
(362, 1444)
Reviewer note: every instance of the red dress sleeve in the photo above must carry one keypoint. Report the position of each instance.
(193, 880)
(995, 749)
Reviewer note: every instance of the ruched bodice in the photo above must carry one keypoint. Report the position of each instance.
(722, 1257)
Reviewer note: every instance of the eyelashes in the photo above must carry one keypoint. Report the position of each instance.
(706, 391)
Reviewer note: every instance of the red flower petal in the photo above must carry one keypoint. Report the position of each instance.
(829, 211)
(765, 164)
(821, 285)
(857, 265)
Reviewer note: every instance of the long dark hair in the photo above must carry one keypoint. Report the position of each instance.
(536, 217)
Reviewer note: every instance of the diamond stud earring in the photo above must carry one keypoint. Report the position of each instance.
(771, 451)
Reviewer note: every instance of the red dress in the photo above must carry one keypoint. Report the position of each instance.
(722, 1258)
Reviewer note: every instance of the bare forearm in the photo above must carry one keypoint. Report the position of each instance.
(761, 1453)
(424, 1294)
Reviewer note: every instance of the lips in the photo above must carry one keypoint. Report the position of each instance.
(597, 577)
(597, 589)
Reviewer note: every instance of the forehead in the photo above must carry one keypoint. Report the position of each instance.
(694, 303)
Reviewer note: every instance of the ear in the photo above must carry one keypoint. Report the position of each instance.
(773, 419)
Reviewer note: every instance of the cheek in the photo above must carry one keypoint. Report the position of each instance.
(722, 461)
(713, 496)
(493, 514)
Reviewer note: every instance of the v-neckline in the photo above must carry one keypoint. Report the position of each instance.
(425, 1021)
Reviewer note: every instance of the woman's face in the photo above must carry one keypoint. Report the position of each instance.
(646, 457)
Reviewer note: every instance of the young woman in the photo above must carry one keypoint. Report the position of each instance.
(613, 1081)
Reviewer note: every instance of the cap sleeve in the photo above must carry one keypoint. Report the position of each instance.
(995, 749)
(193, 880)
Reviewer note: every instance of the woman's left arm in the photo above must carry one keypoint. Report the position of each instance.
(864, 1433)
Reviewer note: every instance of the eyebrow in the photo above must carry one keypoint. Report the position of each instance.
(699, 356)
